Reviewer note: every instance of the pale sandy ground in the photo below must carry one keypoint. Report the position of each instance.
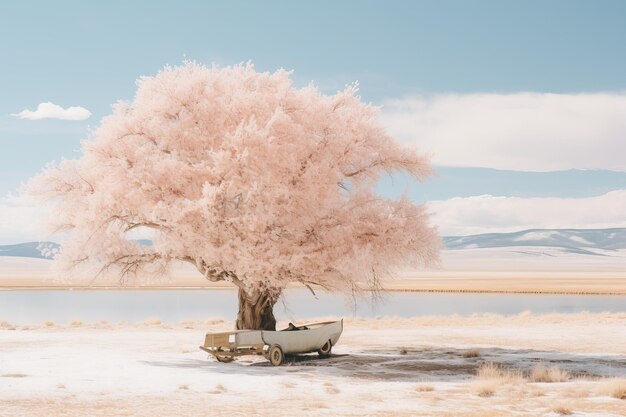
(520, 270)
(155, 369)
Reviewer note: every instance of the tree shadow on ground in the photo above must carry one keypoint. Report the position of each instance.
(427, 364)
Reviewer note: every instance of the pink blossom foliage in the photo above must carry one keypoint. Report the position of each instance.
(243, 175)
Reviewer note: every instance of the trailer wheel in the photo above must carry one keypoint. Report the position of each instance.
(276, 355)
(224, 359)
(324, 351)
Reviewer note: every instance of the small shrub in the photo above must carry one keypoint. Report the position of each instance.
(183, 387)
(315, 404)
(472, 353)
(403, 351)
(5, 325)
(541, 373)
(48, 323)
(219, 388)
(614, 387)
(490, 376)
(491, 370)
(564, 411)
(76, 323)
(486, 388)
(331, 388)
(424, 388)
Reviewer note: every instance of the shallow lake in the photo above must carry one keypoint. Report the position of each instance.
(35, 306)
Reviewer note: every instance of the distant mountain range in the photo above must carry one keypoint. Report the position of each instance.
(582, 241)
(31, 249)
(26, 250)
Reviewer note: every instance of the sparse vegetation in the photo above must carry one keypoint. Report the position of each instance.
(614, 387)
(331, 388)
(219, 388)
(403, 351)
(564, 411)
(472, 353)
(183, 387)
(541, 373)
(494, 371)
(315, 404)
(76, 323)
(424, 388)
(486, 388)
(48, 323)
(14, 375)
(490, 376)
(6, 325)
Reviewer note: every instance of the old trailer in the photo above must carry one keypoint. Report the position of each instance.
(274, 345)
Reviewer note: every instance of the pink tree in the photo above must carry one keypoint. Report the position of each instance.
(246, 177)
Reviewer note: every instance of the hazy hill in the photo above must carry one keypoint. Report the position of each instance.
(582, 241)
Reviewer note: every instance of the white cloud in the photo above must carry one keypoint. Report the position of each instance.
(52, 111)
(521, 131)
(21, 221)
(487, 214)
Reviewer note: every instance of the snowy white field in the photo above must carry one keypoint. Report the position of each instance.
(423, 366)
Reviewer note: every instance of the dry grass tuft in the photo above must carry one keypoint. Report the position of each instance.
(5, 325)
(183, 386)
(564, 411)
(219, 388)
(492, 371)
(424, 388)
(403, 351)
(331, 388)
(48, 323)
(490, 376)
(315, 404)
(614, 387)
(485, 388)
(541, 373)
(472, 353)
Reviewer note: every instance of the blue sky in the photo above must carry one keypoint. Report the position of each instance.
(422, 60)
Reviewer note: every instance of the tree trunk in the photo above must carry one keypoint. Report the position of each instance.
(256, 310)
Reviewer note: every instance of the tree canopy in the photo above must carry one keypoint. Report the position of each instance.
(246, 177)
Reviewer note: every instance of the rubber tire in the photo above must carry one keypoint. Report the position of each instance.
(324, 351)
(276, 355)
(224, 359)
